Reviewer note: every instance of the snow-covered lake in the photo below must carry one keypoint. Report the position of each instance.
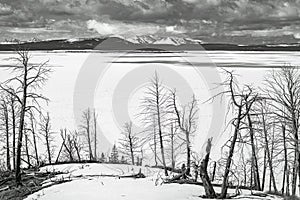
(113, 82)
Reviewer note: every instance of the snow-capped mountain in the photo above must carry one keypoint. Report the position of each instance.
(143, 39)
(155, 40)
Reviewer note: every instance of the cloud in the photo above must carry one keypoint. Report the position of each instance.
(5, 9)
(129, 17)
(131, 29)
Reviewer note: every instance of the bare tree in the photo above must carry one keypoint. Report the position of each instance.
(187, 122)
(77, 144)
(267, 145)
(86, 126)
(23, 87)
(173, 143)
(253, 150)
(129, 143)
(283, 88)
(33, 129)
(154, 106)
(209, 190)
(62, 133)
(95, 133)
(45, 127)
(241, 101)
(27, 148)
(5, 119)
(13, 110)
(68, 144)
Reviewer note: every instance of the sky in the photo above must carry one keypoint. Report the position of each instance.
(231, 21)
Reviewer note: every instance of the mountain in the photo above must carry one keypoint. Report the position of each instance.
(144, 42)
(155, 40)
(142, 39)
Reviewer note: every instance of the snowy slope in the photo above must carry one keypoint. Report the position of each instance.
(87, 185)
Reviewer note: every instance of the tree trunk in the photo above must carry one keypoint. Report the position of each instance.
(254, 157)
(77, 151)
(35, 149)
(272, 178)
(160, 133)
(21, 128)
(214, 172)
(13, 132)
(209, 190)
(296, 155)
(48, 146)
(172, 147)
(285, 158)
(7, 136)
(188, 153)
(231, 151)
(89, 142)
(131, 149)
(34, 140)
(59, 152)
(264, 170)
(251, 177)
(27, 150)
(287, 181)
(155, 147)
(95, 135)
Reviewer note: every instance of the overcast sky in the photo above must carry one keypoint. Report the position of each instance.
(240, 21)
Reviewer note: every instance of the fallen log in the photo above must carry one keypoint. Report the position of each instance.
(138, 175)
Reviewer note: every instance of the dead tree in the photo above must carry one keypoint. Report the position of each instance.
(27, 148)
(172, 141)
(241, 101)
(264, 168)
(154, 106)
(129, 143)
(34, 136)
(45, 127)
(86, 126)
(62, 133)
(268, 152)
(13, 110)
(285, 167)
(28, 78)
(5, 119)
(95, 134)
(186, 120)
(68, 144)
(209, 190)
(253, 151)
(283, 89)
(77, 144)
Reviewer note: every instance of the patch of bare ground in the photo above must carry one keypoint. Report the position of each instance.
(32, 181)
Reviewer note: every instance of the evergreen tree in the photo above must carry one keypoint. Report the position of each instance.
(114, 156)
(102, 158)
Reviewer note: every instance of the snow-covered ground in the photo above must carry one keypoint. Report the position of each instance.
(86, 184)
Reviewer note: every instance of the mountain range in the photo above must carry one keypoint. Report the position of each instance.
(144, 42)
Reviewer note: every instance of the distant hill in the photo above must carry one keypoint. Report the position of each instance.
(140, 43)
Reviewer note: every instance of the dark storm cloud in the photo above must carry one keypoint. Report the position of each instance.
(190, 17)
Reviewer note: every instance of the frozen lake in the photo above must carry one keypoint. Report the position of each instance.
(113, 82)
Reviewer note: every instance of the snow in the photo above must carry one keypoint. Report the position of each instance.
(144, 39)
(149, 39)
(166, 40)
(86, 185)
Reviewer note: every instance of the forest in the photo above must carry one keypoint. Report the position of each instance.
(261, 154)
